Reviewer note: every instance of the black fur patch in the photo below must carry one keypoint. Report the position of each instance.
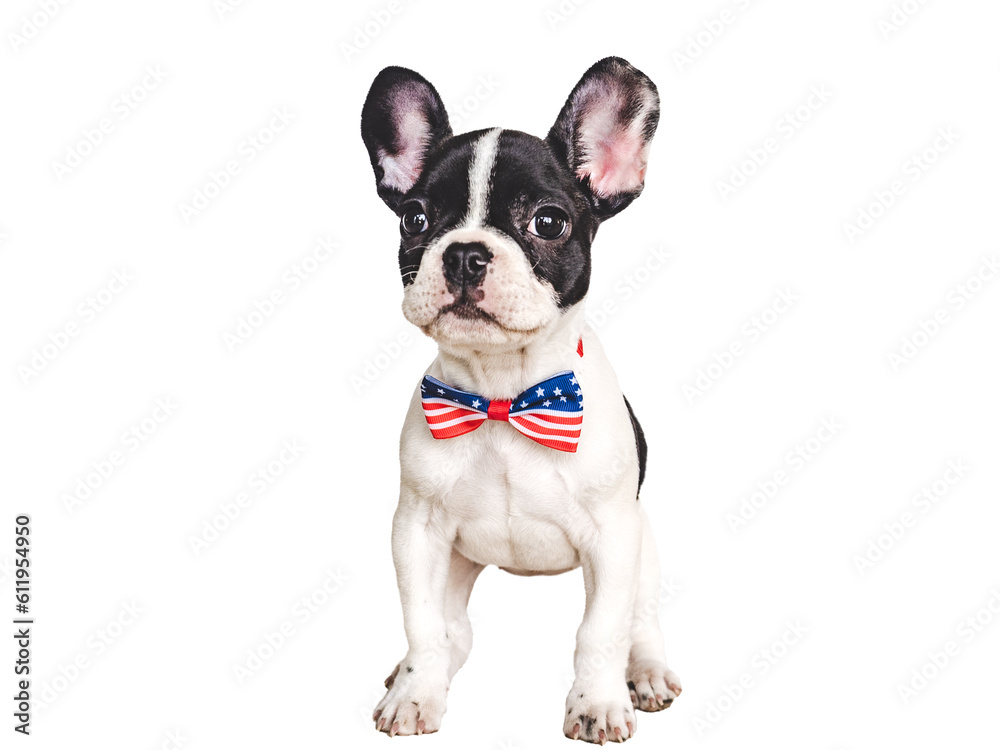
(442, 192)
(640, 442)
(527, 176)
(396, 97)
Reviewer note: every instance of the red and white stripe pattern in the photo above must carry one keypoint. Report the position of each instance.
(550, 413)
(448, 419)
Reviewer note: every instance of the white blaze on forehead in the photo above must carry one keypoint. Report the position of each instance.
(480, 172)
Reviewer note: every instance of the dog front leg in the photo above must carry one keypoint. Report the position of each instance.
(599, 707)
(421, 551)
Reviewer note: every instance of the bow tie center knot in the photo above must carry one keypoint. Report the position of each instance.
(499, 410)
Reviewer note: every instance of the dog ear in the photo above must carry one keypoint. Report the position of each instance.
(604, 132)
(403, 118)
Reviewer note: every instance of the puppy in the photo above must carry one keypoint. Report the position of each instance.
(500, 463)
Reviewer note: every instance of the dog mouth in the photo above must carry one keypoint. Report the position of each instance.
(464, 320)
(467, 310)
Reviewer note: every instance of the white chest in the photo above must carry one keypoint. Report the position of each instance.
(514, 503)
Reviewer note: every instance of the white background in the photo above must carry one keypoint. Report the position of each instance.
(731, 594)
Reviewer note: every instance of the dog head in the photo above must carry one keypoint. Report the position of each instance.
(496, 224)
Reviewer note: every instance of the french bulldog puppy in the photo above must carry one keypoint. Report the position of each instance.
(500, 463)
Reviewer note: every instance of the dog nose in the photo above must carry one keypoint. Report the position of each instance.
(465, 263)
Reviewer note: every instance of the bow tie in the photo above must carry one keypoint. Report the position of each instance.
(550, 413)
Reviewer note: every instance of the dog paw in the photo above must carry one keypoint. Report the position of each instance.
(598, 720)
(391, 678)
(652, 685)
(410, 708)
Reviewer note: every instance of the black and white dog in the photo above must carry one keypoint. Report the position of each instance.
(500, 463)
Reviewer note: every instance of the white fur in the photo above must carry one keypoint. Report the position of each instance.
(518, 301)
(495, 497)
(480, 177)
(518, 504)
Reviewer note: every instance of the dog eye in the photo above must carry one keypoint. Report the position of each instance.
(549, 223)
(414, 221)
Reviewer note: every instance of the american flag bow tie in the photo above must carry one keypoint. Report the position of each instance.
(550, 413)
